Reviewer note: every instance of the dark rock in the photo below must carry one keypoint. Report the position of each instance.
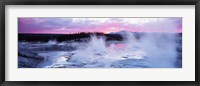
(29, 59)
(179, 56)
(179, 49)
(178, 64)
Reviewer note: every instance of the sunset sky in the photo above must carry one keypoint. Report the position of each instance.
(106, 25)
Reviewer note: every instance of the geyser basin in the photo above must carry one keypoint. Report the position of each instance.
(156, 44)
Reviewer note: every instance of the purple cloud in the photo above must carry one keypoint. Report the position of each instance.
(72, 25)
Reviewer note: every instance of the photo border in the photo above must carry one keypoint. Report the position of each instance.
(97, 2)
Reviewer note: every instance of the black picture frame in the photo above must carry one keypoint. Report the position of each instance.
(97, 2)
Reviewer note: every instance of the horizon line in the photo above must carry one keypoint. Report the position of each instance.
(97, 32)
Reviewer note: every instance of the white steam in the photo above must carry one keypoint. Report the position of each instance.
(151, 49)
(157, 49)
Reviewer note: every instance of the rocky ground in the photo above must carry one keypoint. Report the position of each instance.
(29, 59)
(28, 53)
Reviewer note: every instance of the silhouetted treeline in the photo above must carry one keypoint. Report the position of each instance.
(65, 37)
(79, 37)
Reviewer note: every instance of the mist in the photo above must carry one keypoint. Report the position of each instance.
(157, 49)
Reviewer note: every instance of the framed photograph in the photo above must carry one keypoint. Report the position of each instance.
(130, 42)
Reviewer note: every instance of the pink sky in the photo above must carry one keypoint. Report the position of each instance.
(105, 25)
